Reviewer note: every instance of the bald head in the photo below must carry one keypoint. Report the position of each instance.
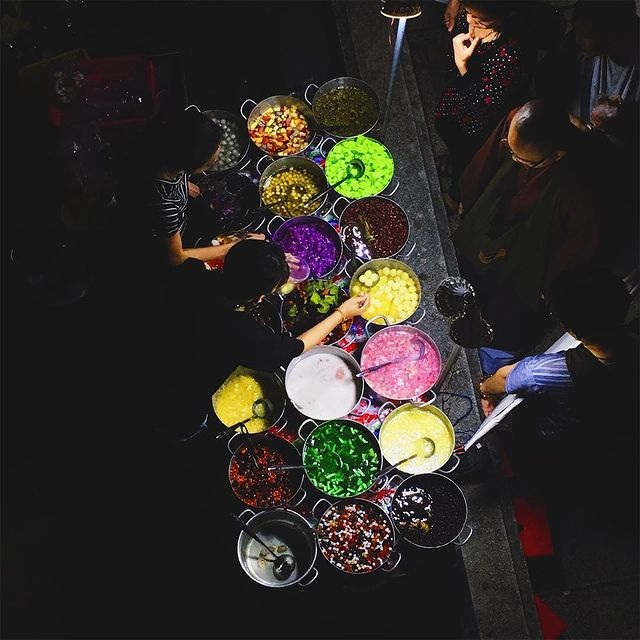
(541, 125)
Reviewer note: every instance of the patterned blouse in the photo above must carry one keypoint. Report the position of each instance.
(494, 83)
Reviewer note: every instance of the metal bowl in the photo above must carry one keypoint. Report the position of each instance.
(243, 139)
(315, 387)
(442, 447)
(429, 510)
(295, 162)
(276, 527)
(278, 101)
(340, 83)
(376, 265)
(362, 247)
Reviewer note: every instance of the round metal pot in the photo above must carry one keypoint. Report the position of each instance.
(322, 466)
(256, 487)
(376, 265)
(293, 162)
(399, 442)
(274, 102)
(361, 227)
(316, 378)
(278, 527)
(308, 252)
(233, 199)
(240, 131)
(305, 319)
(337, 84)
(429, 511)
(276, 388)
(372, 549)
(267, 313)
(377, 380)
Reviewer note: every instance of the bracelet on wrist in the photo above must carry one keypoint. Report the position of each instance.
(483, 395)
(344, 318)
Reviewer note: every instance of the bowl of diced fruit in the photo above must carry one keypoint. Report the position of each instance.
(312, 301)
(393, 287)
(280, 125)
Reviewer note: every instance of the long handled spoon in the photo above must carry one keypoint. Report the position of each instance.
(355, 169)
(410, 358)
(283, 565)
(261, 408)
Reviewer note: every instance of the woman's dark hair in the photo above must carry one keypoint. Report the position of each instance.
(543, 124)
(496, 10)
(186, 141)
(253, 268)
(590, 301)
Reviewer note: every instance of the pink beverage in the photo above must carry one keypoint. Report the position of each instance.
(404, 380)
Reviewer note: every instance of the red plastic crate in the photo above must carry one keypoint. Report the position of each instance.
(116, 92)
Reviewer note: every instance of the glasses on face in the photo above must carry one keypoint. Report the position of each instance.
(523, 161)
(481, 24)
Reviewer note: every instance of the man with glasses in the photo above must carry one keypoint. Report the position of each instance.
(530, 211)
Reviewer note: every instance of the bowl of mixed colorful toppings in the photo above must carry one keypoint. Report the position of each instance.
(345, 107)
(378, 167)
(311, 239)
(280, 125)
(288, 184)
(356, 536)
(312, 301)
(235, 144)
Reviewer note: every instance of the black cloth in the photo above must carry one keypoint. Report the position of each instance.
(211, 339)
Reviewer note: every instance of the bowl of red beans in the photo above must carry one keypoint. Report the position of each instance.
(255, 485)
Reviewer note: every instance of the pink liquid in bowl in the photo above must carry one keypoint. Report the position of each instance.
(406, 379)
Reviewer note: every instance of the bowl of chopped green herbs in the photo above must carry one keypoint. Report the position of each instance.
(312, 301)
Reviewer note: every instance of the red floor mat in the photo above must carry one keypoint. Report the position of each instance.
(551, 623)
(535, 535)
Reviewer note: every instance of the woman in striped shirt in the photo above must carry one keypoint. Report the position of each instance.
(189, 143)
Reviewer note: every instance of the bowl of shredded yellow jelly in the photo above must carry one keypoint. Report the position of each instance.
(233, 401)
(422, 430)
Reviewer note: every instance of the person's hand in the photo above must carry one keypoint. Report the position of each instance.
(291, 259)
(450, 14)
(488, 405)
(355, 306)
(194, 189)
(463, 47)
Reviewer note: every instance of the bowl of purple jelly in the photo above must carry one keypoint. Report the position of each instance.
(311, 240)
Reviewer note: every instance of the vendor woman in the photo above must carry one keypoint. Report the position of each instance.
(217, 337)
(174, 214)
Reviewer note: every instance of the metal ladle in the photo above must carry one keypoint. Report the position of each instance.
(426, 448)
(355, 169)
(413, 357)
(261, 408)
(283, 565)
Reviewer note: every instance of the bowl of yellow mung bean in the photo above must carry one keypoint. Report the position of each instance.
(288, 184)
(234, 400)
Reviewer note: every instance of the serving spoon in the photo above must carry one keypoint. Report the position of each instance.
(410, 358)
(355, 169)
(261, 408)
(283, 565)
(425, 448)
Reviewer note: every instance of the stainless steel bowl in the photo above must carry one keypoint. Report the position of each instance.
(278, 526)
(295, 162)
(340, 83)
(277, 101)
(243, 139)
